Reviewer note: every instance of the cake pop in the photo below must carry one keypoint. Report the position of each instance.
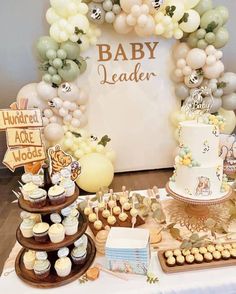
(97, 224)
(106, 212)
(111, 219)
(101, 204)
(123, 216)
(127, 206)
(92, 217)
(133, 211)
(88, 210)
(111, 202)
(123, 196)
(116, 210)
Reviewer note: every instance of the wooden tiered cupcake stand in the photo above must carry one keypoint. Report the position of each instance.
(53, 280)
(193, 214)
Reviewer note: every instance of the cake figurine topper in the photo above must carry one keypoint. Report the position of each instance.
(199, 102)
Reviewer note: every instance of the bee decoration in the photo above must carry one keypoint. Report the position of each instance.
(157, 4)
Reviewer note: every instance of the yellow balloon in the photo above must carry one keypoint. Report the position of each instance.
(230, 120)
(96, 172)
(188, 4)
(177, 116)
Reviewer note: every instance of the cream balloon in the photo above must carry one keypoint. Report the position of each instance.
(180, 50)
(230, 120)
(29, 92)
(213, 71)
(176, 117)
(120, 24)
(148, 29)
(127, 5)
(97, 172)
(196, 58)
(53, 132)
(188, 4)
(192, 23)
(68, 92)
(46, 91)
(229, 101)
(179, 9)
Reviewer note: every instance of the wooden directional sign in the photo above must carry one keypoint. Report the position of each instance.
(23, 137)
(19, 157)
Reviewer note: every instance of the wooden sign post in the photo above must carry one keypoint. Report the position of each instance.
(23, 135)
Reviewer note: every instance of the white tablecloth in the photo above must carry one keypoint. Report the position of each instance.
(219, 281)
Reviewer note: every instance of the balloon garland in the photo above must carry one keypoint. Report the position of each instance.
(75, 25)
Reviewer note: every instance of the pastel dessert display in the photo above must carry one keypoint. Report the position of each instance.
(127, 250)
(70, 224)
(42, 265)
(63, 264)
(29, 259)
(38, 198)
(56, 195)
(40, 232)
(26, 227)
(56, 233)
(198, 167)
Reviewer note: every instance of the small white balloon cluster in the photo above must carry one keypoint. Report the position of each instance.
(68, 20)
(79, 143)
(100, 11)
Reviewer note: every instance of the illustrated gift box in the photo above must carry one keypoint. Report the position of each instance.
(128, 250)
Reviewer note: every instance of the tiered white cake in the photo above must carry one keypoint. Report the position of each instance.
(198, 167)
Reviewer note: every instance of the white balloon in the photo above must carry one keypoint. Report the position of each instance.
(229, 78)
(196, 58)
(29, 92)
(230, 120)
(120, 24)
(190, 3)
(69, 92)
(180, 50)
(146, 30)
(53, 132)
(83, 120)
(83, 98)
(213, 71)
(229, 101)
(217, 103)
(179, 9)
(80, 21)
(52, 16)
(181, 91)
(127, 5)
(46, 91)
(193, 22)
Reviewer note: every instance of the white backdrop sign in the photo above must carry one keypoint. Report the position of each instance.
(131, 98)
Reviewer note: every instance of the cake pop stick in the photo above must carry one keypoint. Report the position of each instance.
(134, 219)
(106, 212)
(101, 204)
(97, 224)
(88, 208)
(111, 219)
(133, 211)
(111, 202)
(123, 216)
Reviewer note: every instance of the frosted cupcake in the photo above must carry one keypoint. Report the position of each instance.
(27, 189)
(38, 198)
(37, 180)
(78, 255)
(63, 264)
(29, 259)
(42, 268)
(70, 224)
(26, 178)
(26, 227)
(82, 242)
(56, 233)
(40, 232)
(56, 195)
(69, 187)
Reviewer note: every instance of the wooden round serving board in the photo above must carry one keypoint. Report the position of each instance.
(30, 243)
(198, 201)
(48, 208)
(53, 281)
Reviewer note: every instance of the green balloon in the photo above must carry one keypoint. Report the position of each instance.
(200, 34)
(192, 40)
(82, 64)
(70, 71)
(56, 79)
(224, 12)
(203, 6)
(44, 44)
(202, 44)
(211, 18)
(47, 78)
(222, 38)
(210, 38)
(52, 70)
(72, 49)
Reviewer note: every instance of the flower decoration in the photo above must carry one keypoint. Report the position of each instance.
(225, 185)
(185, 158)
(216, 120)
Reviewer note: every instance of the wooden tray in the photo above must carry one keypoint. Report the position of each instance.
(25, 205)
(126, 224)
(53, 281)
(194, 266)
(30, 243)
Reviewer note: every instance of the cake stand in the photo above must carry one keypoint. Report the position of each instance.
(193, 213)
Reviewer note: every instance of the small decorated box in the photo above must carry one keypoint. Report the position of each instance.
(127, 250)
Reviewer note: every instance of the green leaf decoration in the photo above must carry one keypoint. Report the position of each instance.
(184, 18)
(83, 279)
(79, 31)
(211, 26)
(221, 85)
(175, 233)
(194, 238)
(44, 66)
(170, 10)
(105, 139)
(77, 135)
(210, 223)
(200, 72)
(152, 279)
(159, 215)
(186, 245)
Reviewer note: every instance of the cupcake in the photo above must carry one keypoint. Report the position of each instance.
(171, 261)
(227, 246)
(189, 258)
(40, 232)
(56, 195)
(208, 257)
(26, 227)
(180, 260)
(56, 233)
(233, 252)
(42, 268)
(225, 254)
(82, 242)
(26, 178)
(27, 189)
(36, 217)
(202, 250)
(198, 258)
(70, 224)
(75, 213)
(186, 252)
(168, 253)
(211, 248)
(233, 245)
(219, 247)
(177, 252)
(194, 250)
(69, 187)
(29, 259)
(79, 254)
(37, 180)
(216, 255)
(38, 198)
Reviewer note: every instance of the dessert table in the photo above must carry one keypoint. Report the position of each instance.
(220, 280)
